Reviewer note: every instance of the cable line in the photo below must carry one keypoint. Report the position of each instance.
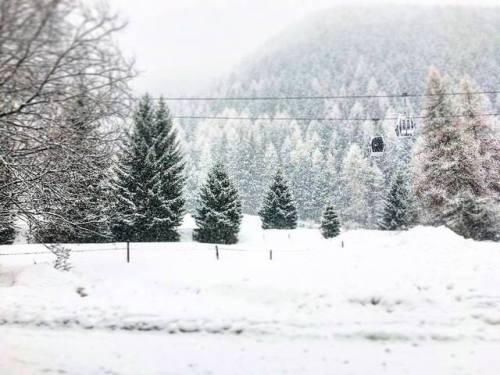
(188, 117)
(319, 97)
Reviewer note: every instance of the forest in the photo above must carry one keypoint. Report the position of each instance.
(84, 161)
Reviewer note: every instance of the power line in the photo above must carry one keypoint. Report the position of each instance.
(345, 119)
(319, 97)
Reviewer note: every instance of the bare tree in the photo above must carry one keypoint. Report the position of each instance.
(51, 53)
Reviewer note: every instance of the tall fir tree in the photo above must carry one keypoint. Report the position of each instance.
(396, 215)
(450, 180)
(167, 202)
(375, 195)
(330, 225)
(479, 217)
(123, 188)
(149, 178)
(481, 130)
(218, 216)
(355, 177)
(7, 229)
(443, 164)
(77, 212)
(278, 210)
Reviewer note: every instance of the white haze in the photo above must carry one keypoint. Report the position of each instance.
(181, 46)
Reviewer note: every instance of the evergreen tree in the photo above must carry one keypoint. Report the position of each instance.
(149, 178)
(395, 215)
(481, 130)
(123, 187)
(278, 209)
(375, 195)
(218, 215)
(447, 162)
(451, 180)
(77, 212)
(7, 230)
(167, 203)
(355, 177)
(473, 217)
(246, 168)
(330, 225)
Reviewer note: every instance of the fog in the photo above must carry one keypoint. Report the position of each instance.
(181, 46)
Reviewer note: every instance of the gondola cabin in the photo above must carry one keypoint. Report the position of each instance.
(405, 126)
(377, 145)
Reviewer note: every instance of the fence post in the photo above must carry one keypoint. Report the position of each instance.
(128, 252)
(217, 252)
(270, 255)
(342, 244)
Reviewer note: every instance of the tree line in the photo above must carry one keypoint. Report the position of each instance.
(451, 180)
(64, 85)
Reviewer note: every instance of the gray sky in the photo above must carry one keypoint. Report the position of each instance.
(181, 45)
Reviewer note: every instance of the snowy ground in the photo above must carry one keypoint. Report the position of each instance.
(423, 301)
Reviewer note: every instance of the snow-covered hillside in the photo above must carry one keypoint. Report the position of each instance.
(386, 300)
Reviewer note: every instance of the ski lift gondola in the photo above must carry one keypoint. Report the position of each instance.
(405, 124)
(377, 143)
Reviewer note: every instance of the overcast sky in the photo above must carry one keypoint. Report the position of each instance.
(181, 45)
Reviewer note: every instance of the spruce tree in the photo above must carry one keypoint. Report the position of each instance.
(278, 209)
(447, 161)
(7, 229)
(395, 215)
(149, 178)
(218, 215)
(355, 178)
(167, 203)
(123, 188)
(77, 210)
(473, 217)
(330, 225)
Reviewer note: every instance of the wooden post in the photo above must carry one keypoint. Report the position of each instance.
(270, 255)
(217, 252)
(128, 252)
(342, 244)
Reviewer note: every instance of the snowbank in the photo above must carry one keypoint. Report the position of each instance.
(423, 286)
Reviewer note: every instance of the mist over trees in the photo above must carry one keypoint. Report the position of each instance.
(68, 170)
(345, 51)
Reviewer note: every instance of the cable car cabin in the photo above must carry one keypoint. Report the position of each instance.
(377, 146)
(405, 126)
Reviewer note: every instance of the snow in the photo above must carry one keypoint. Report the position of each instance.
(422, 301)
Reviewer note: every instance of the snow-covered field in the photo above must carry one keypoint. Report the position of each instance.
(423, 301)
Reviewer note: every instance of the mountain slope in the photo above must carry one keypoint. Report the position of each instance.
(340, 51)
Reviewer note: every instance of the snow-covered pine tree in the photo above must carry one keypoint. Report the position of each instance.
(449, 180)
(479, 214)
(330, 225)
(166, 206)
(218, 215)
(246, 168)
(375, 195)
(472, 216)
(395, 215)
(355, 176)
(149, 178)
(123, 188)
(436, 155)
(7, 230)
(76, 210)
(278, 210)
